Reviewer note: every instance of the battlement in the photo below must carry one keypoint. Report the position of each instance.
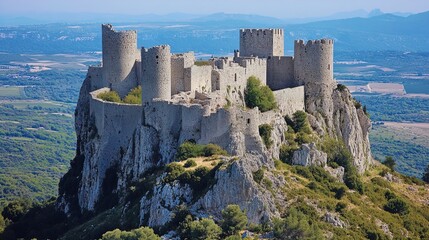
(262, 32)
(313, 61)
(261, 42)
(324, 41)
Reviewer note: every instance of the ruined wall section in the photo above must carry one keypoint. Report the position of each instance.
(178, 64)
(290, 100)
(280, 72)
(198, 78)
(254, 67)
(314, 61)
(261, 42)
(156, 73)
(119, 57)
(115, 124)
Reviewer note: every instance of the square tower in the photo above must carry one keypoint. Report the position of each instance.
(261, 42)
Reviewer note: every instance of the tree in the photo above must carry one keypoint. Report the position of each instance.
(143, 233)
(426, 174)
(234, 219)
(259, 96)
(202, 229)
(296, 226)
(390, 163)
(16, 209)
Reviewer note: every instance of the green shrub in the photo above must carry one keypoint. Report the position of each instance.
(234, 237)
(202, 229)
(213, 149)
(110, 96)
(300, 122)
(341, 87)
(340, 192)
(16, 209)
(258, 175)
(143, 233)
(190, 163)
(134, 96)
(259, 96)
(340, 207)
(296, 225)
(174, 170)
(396, 205)
(234, 220)
(190, 150)
(286, 152)
(265, 133)
(425, 176)
(390, 163)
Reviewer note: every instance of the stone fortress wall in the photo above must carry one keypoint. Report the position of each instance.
(119, 59)
(156, 73)
(314, 61)
(183, 101)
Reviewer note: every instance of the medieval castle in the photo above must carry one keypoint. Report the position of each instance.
(184, 99)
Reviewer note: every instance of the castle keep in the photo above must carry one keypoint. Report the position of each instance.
(184, 99)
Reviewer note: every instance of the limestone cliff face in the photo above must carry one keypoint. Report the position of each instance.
(333, 112)
(109, 162)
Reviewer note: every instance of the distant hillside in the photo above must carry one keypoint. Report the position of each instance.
(217, 34)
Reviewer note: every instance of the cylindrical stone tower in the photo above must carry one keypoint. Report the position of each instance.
(119, 56)
(314, 61)
(156, 73)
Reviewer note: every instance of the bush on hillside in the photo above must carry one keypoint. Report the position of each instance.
(202, 229)
(143, 233)
(259, 96)
(389, 162)
(426, 174)
(265, 133)
(190, 163)
(296, 225)
(234, 220)
(190, 150)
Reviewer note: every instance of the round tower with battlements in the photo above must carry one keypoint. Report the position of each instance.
(156, 73)
(119, 56)
(313, 61)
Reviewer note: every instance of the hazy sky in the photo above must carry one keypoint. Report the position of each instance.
(275, 8)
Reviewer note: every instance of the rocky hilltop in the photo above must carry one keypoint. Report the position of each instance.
(260, 142)
(118, 148)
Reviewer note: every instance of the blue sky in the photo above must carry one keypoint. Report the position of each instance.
(275, 8)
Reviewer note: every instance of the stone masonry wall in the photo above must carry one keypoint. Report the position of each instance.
(178, 64)
(261, 42)
(314, 61)
(115, 125)
(198, 78)
(156, 73)
(290, 100)
(280, 72)
(119, 57)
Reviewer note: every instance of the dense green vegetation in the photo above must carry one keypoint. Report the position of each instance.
(298, 133)
(410, 158)
(133, 97)
(143, 233)
(265, 133)
(234, 220)
(36, 145)
(259, 96)
(396, 109)
(189, 149)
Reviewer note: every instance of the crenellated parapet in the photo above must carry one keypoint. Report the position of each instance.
(261, 42)
(119, 56)
(313, 61)
(156, 73)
